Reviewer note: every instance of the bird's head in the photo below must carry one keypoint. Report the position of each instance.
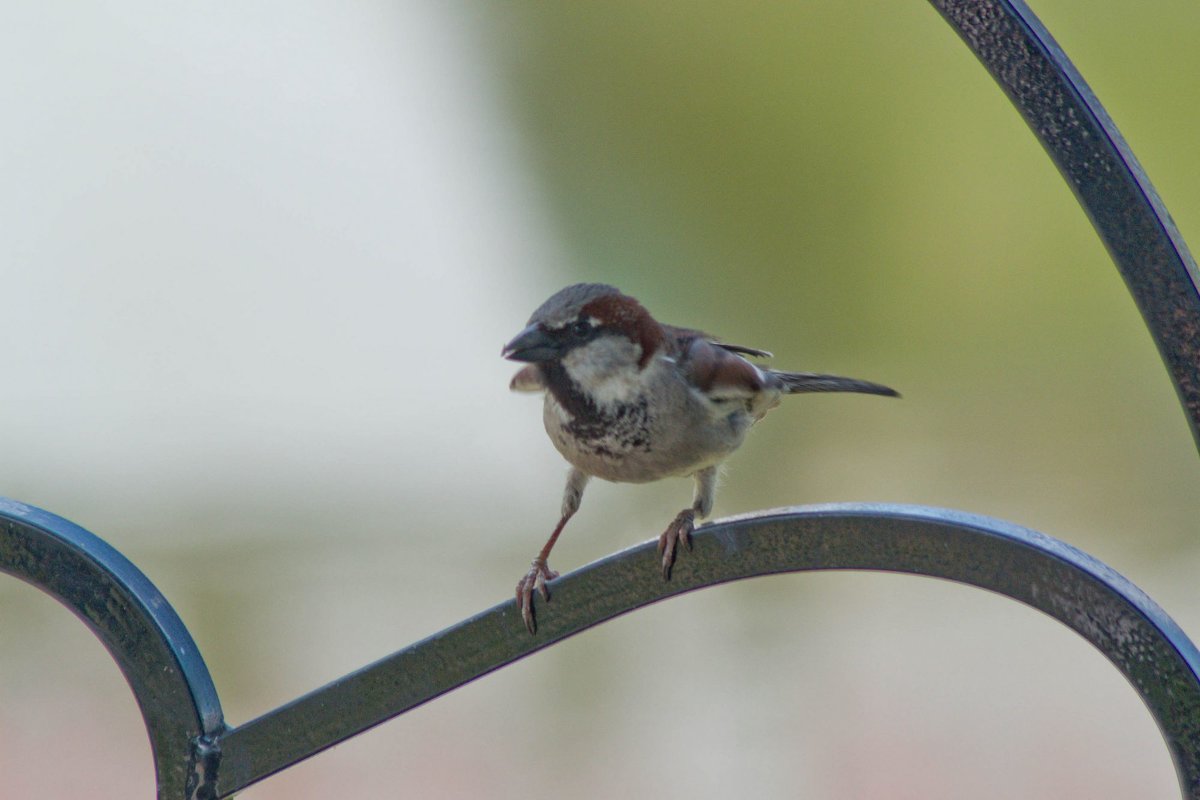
(588, 326)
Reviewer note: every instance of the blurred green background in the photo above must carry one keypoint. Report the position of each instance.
(258, 264)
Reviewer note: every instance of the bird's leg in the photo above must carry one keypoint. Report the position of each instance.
(680, 529)
(539, 570)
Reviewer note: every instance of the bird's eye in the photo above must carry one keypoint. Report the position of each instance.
(580, 328)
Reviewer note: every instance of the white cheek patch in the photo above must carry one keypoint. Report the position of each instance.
(606, 369)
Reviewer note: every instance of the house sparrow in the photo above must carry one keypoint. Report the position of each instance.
(629, 399)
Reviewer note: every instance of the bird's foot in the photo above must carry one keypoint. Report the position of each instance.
(539, 573)
(680, 530)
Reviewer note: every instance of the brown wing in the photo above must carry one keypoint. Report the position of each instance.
(745, 351)
(681, 337)
(716, 370)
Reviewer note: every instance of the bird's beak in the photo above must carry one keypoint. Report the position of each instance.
(531, 344)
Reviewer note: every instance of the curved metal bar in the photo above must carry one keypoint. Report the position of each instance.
(1082, 593)
(196, 757)
(139, 628)
(1101, 170)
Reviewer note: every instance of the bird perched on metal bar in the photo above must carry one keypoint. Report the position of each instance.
(629, 399)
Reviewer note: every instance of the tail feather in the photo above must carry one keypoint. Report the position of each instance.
(803, 382)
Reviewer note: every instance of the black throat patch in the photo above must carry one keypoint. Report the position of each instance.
(609, 432)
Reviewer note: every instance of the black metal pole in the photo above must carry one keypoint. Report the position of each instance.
(139, 628)
(1083, 594)
(1101, 170)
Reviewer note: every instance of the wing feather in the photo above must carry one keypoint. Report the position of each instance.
(528, 379)
(718, 371)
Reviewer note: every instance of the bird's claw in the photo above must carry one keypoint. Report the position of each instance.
(680, 530)
(535, 579)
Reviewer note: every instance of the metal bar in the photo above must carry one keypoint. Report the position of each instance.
(196, 757)
(1088, 597)
(1101, 170)
(139, 628)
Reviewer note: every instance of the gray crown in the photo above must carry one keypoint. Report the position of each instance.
(565, 305)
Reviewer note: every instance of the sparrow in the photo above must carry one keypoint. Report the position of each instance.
(631, 400)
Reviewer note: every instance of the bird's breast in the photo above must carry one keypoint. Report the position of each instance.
(609, 443)
(666, 430)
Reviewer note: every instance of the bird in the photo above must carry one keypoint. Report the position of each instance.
(631, 400)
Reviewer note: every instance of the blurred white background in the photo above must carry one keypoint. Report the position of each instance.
(258, 261)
